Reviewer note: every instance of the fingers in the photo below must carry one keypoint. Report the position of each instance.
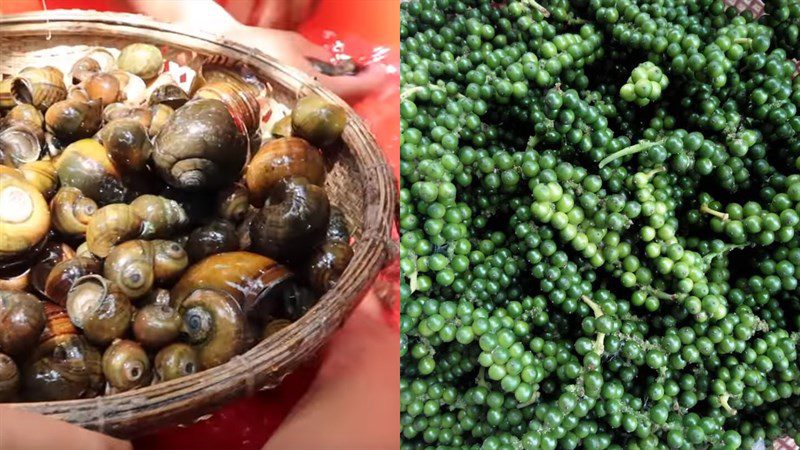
(20, 430)
(354, 88)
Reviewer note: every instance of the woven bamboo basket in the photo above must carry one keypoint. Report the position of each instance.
(359, 181)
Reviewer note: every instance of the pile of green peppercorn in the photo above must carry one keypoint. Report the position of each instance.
(582, 270)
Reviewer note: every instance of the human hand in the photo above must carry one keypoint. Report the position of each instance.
(20, 430)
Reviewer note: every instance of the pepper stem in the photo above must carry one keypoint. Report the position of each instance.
(537, 6)
(723, 401)
(633, 149)
(599, 343)
(721, 215)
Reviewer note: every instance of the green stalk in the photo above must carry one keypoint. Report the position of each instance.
(633, 149)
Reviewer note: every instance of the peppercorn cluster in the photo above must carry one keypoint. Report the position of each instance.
(593, 256)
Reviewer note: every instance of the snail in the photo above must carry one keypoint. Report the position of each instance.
(293, 220)
(337, 226)
(15, 278)
(71, 211)
(283, 127)
(175, 361)
(24, 214)
(326, 264)
(200, 147)
(214, 323)
(27, 115)
(65, 273)
(117, 111)
(39, 86)
(161, 217)
(143, 60)
(136, 265)
(64, 366)
(127, 144)
(19, 145)
(126, 365)
(318, 121)
(103, 87)
(110, 225)
(97, 60)
(6, 99)
(9, 378)
(99, 308)
(42, 175)
(52, 254)
(22, 321)
(156, 325)
(242, 104)
(71, 120)
(86, 166)
(78, 93)
(233, 203)
(281, 158)
(218, 236)
(133, 89)
(170, 95)
(274, 326)
(160, 114)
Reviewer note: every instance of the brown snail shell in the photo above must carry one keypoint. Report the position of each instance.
(83, 69)
(65, 273)
(175, 361)
(19, 144)
(64, 366)
(25, 114)
(103, 87)
(78, 94)
(24, 214)
(214, 324)
(99, 308)
(233, 203)
(111, 225)
(337, 226)
(15, 278)
(160, 114)
(83, 250)
(52, 254)
(326, 264)
(42, 175)
(135, 265)
(170, 95)
(156, 325)
(126, 365)
(22, 321)
(161, 217)
(143, 60)
(6, 99)
(241, 103)
(283, 127)
(318, 121)
(218, 236)
(9, 378)
(117, 111)
(39, 86)
(293, 220)
(71, 211)
(86, 166)
(281, 158)
(200, 148)
(71, 120)
(133, 88)
(274, 326)
(170, 260)
(127, 143)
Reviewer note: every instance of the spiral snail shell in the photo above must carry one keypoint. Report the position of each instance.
(6, 99)
(156, 325)
(160, 114)
(71, 211)
(136, 265)
(241, 103)
(24, 214)
(233, 203)
(39, 86)
(175, 361)
(126, 365)
(283, 127)
(85, 164)
(64, 274)
(318, 120)
(161, 217)
(110, 225)
(99, 308)
(326, 264)
(52, 254)
(218, 236)
(214, 324)
(127, 144)
(83, 69)
(42, 175)
(170, 95)
(143, 60)
(103, 87)
(9, 378)
(22, 321)
(281, 158)
(27, 115)
(19, 144)
(71, 120)
(116, 111)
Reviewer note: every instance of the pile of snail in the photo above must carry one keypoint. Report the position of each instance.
(151, 227)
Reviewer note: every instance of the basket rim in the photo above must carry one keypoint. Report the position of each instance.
(372, 251)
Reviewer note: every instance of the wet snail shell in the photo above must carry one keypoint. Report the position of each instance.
(71, 120)
(326, 265)
(133, 87)
(283, 127)
(24, 214)
(214, 323)
(65, 273)
(274, 326)
(25, 114)
(78, 93)
(337, 226)
(233, 203)
(103, 87)
(136, 265)
(161, 217)
(6, 99)
(85, 165)
(71, 211)
(15, 278)
(83, 250)
(52, 254)
(126, 365)
(170, 260)
(200, 148)
(176, 361)
(19, 144)
(143, 60)
(111, 225)
(99, 308)
(318, 120)
(281, 158)
(218, 236)
(127, 143)
(83, 69)
(39, 86)
(42, 175)
(241, 103)
(9, 378)
(117, 111)
(293, 220)
(160, 114)
(156, 325)
(22, 321)
(170, 95)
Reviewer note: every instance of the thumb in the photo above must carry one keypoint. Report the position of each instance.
(354, 88)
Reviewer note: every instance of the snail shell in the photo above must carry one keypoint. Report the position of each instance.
(337, 226)
(86, 166)
(19, 145)
(9, 378)
(156, 325)
(84, 69)
(99, 308)
(170, 95)
(111, 225)
(103, 87)
(65, 273)
(24, 214)
(233, 203)
(281, 158)
(6, 99)
(283, 127)
(52, 254)
(39, 86)
(160, 114)
(117, 111)
(200, 148)
(135, 265)
(71, 120)
(293, 220)
(241, 103)
(126, 365)
(214, 324)
(127, 144)
(71, 211)
(143, 60)
(274, 326)
(22, 321)
(161, 217)
(42, 175)
(26, 114)
(170, 260)
(218, 236)
(78, 94)
(175, 361)
(133, 88)
(318, 120)
(15, 278)
(326, 265)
